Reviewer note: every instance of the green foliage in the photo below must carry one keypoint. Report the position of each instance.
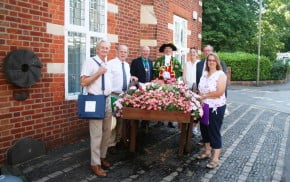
(244, 65)
(287, 43)
(232, 25)
(229, 25)
(275, 27)
(279, 70)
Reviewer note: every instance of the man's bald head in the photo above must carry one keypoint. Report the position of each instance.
(208, 49)
(145, 51)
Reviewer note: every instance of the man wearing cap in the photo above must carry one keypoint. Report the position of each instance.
(167, 67)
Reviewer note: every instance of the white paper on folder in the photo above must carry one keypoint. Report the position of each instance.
(90, 106)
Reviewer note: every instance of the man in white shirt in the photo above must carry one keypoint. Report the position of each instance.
(120, 71)
(100, 130)
(121, 78)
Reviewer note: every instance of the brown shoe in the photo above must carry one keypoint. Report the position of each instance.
(105, 163)
(99, 171)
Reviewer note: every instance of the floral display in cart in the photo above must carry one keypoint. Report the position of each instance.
(160, 96)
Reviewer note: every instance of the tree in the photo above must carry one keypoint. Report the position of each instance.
(275, 27)
(229, 25)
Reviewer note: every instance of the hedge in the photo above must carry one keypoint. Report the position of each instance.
(244, 66)
(279, 70)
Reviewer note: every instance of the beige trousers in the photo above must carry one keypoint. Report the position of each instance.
(100, 132)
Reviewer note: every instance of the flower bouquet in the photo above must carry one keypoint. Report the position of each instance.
(160, 96)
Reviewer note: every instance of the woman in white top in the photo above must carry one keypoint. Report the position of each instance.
(212, 91)
(189, 68)
(189, 77)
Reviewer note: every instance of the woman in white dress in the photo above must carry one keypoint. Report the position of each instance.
(189, 76)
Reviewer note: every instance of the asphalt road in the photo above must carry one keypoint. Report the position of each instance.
(274, 97)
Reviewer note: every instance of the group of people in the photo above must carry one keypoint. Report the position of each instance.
(205, 77)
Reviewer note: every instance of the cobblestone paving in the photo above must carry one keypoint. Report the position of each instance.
(233, 167)
(254, 141)
(267, 159)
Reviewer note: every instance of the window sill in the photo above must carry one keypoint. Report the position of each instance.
(71, 97)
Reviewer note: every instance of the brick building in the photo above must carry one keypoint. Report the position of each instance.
(62, 33)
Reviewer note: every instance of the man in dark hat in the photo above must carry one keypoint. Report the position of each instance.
(167, 67)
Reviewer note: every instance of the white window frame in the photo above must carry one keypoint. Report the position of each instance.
(80, 29)
(181, 49)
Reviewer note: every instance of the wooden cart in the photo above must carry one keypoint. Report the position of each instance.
(136, 114)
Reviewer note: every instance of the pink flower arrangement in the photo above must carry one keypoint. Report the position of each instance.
(158, 95)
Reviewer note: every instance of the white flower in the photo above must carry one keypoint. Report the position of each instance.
(133, 88)
(160, 88)
(148, 84)
(118, 104)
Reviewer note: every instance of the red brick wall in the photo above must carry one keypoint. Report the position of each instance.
(45, 115)
(165, 10)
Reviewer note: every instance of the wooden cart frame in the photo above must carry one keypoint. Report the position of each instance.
(136, 114)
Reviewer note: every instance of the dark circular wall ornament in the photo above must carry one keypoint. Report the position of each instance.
(22, 68)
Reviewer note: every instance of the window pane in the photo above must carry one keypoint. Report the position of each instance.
(177, 56)
(183, 34)
(182, 37)
(97, 15)
(93, 41)
(180, 56)
(76, 54)
(77, 12)
(182, 59)
(177, 34)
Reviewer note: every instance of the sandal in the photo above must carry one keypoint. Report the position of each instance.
(203, 156)
(213, 164)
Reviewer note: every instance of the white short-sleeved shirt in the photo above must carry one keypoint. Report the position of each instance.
(190, 74)
(209, 84)
(115, 66)
(89, 68)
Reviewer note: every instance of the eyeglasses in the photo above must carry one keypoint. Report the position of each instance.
(211, 60)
